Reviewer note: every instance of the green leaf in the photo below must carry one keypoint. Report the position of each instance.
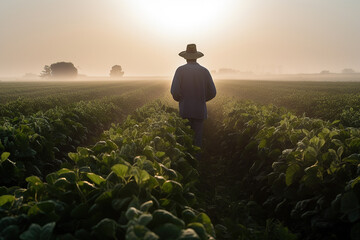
(95, 178)
(149, 152)
(104, 197)
(199, 229)
(51, 178)
(188, 234)
(291, 173)
(61, 183)
(279, 166)
(139, 230)
(46, 206)
(63, 170)
(134, 202)
(142, 176)
(335, 122)
(146, 206)
(10, 232)
(152, 183)
(353, 159)
(160, 154)
(262, 143)
(306, 132)
(325, 131)
(6, 199)
(317, 142)
(310, 154)
(105, 228)
(171, 186)
(172, 173)
(121, 170)
(161, 216)
(205, 220)
(47, 230)
(164, 202)
(333, 133)
(74, 156)
(167, 231)
(35, 183)
(70, 176)
(85, 169)
(188, 215)
(83, 151)
(112, 145)
(35, 232)
(4, 156)
(354, 182)
(132, 213)
(34, 210)
(145, 219)
(312, 170)
(86, 186)
(34, 180)
(333, 154)
(100, 147)
(340, 151)
(151, 236)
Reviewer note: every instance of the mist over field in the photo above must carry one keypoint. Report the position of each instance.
(145, 37)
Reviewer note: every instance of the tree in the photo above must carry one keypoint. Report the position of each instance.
(348, 71)
(116, 71)
(63, 70)
(325, 72)
(46, 73)
(59, 69)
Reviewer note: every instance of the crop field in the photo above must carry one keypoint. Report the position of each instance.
(113, 160)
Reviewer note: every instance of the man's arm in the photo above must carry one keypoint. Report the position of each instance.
(210, 88)
(175, 87)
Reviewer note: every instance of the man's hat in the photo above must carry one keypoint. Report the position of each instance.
(191, 52)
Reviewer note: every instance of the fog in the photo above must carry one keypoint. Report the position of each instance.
(251, 36)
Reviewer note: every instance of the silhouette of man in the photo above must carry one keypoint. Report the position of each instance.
(192, 87)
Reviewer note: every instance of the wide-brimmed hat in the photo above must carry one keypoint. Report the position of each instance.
(191, 52)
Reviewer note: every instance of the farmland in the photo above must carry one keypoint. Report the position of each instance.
(113, 160)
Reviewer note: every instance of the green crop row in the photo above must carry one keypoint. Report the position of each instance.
(303, 171)
(31, 98)
(38, 143)
(326, 100)
(10, 91)
(137, 183)
(35, 143)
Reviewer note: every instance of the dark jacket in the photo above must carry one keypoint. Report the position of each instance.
(192, 87)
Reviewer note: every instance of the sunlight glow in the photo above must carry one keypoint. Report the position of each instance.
(180, 16)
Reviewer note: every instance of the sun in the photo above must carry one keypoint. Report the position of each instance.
(179, 16)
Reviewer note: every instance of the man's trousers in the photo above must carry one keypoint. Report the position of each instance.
(197, 126)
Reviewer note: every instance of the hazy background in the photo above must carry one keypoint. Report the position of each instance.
(145, 36)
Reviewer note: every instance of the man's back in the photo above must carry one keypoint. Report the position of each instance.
(192, 86)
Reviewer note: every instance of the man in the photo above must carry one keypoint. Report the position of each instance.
(192, 87)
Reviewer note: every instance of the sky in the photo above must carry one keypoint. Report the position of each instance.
(145, 36)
